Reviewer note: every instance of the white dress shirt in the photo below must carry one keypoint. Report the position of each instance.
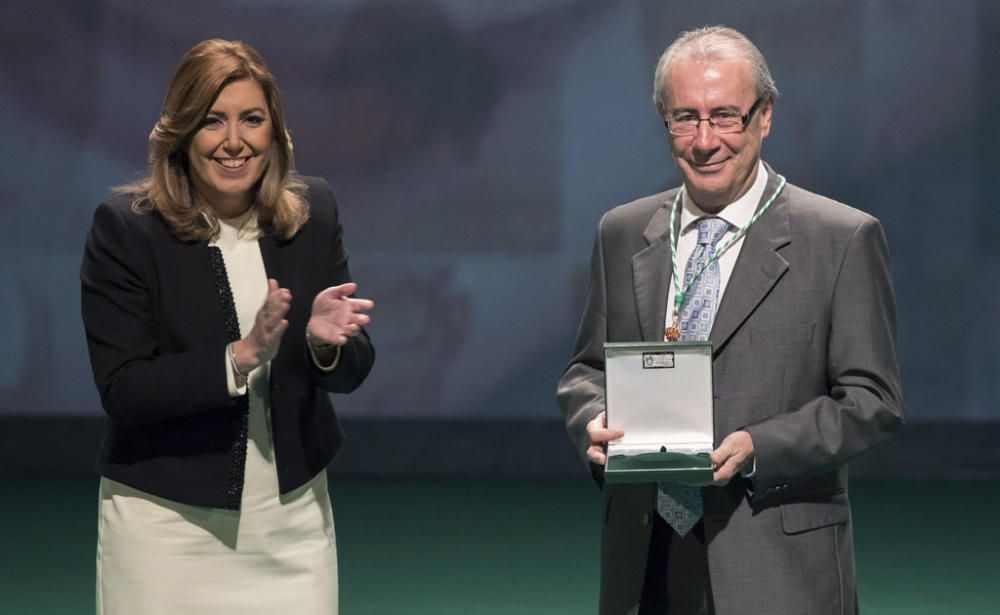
(737, 214)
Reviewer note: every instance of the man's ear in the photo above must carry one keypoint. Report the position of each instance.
(765, 118)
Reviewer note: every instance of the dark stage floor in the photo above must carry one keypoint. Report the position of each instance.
(489, 547)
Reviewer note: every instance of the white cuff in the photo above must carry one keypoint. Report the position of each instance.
(234, 391)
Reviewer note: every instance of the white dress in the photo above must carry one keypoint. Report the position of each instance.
(277, 554)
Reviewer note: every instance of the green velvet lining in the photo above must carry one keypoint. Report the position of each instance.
(659, 466)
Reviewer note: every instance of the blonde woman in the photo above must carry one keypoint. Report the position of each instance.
(219, 312)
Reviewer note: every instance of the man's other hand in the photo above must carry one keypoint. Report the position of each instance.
(734, 452)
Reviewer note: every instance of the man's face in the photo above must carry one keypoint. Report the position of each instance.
(717, 168)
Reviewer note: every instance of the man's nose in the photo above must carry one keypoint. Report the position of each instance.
(706, 137)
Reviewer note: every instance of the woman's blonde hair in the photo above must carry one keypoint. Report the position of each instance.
(204, 71)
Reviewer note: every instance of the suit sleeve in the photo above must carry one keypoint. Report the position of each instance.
(137, 383)
(358, 355)
(864, 406)
(580, 392)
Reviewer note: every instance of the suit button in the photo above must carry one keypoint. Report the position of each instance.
(277, 389)
(645, 518)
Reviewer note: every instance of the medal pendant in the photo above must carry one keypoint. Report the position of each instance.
(673, 333)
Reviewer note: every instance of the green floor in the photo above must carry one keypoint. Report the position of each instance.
(506, 547)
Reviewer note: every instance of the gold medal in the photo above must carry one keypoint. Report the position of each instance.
(673, 332)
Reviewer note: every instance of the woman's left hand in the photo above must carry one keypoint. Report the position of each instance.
(336, 316)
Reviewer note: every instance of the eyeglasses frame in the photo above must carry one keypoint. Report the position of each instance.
(744, 119)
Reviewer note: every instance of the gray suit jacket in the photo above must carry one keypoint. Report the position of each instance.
(804, 359)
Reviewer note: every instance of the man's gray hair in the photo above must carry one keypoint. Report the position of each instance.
(713, 43)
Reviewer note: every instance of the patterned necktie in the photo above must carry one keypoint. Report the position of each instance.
(679, 504)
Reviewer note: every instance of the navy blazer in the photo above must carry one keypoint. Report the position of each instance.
(159, 313)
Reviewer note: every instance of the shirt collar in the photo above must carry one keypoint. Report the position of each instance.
(737, 214)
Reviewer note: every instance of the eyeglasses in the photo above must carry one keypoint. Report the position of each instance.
(686, 124)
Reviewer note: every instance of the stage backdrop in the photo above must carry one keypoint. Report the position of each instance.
(473, 147)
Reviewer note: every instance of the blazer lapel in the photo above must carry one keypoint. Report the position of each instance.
(651, 271)
(758, 268)
(269, 254)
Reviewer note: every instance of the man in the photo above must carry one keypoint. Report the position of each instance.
(801, 316)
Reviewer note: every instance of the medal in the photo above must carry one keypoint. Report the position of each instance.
(673, 332)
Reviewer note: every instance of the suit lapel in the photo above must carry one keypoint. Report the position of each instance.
(651, 271)
(758, 268)
(269, 254)
(279, 256)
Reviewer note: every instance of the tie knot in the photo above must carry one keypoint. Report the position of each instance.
(711, 230)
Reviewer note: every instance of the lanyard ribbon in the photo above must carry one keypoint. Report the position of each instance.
(673, 332)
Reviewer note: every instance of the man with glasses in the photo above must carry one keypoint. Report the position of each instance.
(793, 291)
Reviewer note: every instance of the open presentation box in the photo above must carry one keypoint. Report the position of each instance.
(660, 395)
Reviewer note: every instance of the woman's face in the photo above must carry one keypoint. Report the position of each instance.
(230, 151)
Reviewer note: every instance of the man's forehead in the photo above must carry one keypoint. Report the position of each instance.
(693, 80)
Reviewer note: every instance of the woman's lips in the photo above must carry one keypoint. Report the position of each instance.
(232, 166)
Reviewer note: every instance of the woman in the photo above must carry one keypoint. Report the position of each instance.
(219, 312)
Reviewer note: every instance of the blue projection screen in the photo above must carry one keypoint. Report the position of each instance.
(473, 147)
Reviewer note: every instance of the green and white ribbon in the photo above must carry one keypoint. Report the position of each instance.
(719, 249)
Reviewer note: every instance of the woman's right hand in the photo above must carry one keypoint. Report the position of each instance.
(262, 343)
